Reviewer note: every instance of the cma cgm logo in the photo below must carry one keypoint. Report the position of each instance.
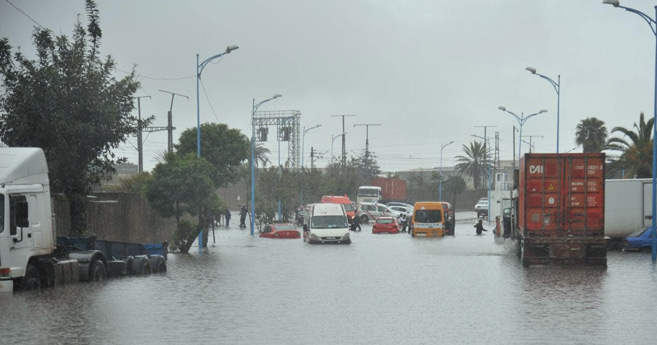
(535, 169)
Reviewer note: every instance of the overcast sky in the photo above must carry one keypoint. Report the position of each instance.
(429, 72)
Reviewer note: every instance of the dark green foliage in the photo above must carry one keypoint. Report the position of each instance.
(68, 102)
(474, 162)
(182, 184)
(635, 148)
(591, 134)
(223, 147)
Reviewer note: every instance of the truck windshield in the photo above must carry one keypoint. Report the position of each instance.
(329, 222)
(368, 192)
(428, 216)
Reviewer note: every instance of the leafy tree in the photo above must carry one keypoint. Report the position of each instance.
(454, 185)
(591, 133)
(473, 163)
(68, 103)
(223, 147)
(367, 166)
(182, 184)
(635, 148)
(339, 181)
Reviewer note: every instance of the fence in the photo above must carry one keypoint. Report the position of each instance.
(117, 217)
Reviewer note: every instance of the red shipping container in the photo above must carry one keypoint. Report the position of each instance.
(391, 188)
(562, 195)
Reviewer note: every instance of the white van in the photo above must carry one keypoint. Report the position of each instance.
(326, 223)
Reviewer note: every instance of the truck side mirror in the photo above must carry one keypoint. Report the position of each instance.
(22, 223)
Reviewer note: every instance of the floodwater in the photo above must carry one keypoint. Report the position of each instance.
(381, 289)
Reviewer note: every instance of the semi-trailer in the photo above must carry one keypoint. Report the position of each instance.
(561, 209)
(31, 254)
(628, 208)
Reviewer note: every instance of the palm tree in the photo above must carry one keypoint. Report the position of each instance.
(636, 156)
(473, 163)
(261, 153)
(591, 134)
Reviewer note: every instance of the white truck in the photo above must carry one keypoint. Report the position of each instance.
(32, 256)
(628, 208)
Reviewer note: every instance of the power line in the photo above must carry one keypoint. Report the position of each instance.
(26, 15)
(208, 99)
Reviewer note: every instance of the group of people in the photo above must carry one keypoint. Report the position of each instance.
(243, 213)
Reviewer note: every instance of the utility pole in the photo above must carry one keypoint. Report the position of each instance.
(344, 136)
(367, 137)
(140, 147)
(170, 127)
(530, 141)
(312, 158)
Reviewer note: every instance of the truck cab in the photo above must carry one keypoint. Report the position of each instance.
(25, 218)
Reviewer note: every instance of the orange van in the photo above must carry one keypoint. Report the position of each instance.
(428, 219)
(344, 200)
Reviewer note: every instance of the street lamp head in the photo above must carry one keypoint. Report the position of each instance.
(451, 142)
(543, 111)
(531, 69)
(277, 96)
(231, 48)
(615, 3)
(501, 108)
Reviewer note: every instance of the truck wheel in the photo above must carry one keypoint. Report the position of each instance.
(364, 219)
(141, 266)
(646, 249)
(159, 264)
(97, 271)
(32, 278)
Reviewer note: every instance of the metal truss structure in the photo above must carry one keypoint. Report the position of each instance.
(287, 124)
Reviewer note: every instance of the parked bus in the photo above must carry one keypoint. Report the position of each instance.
(428, 219)
(368, 194)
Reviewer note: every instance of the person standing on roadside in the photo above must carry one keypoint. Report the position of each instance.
(243, 216)
(227, 216)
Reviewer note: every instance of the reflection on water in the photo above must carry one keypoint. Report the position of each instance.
(382, 289)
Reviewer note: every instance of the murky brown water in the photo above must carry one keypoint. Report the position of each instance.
(382, 289)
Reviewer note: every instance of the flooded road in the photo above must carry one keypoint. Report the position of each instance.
(381, 289)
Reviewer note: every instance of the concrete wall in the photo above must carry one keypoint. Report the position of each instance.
(463, 201)
(117, 217)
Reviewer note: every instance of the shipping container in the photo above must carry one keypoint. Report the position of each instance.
(392, 189)
(561, 209)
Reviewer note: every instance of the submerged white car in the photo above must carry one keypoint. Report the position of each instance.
(481, 207)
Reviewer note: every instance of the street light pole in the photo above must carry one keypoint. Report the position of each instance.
(653, 26)
(199, 70)
(333, 137)
(557, 88)
(521, 121)
(440, 182)
(303, 140)
(253, 111)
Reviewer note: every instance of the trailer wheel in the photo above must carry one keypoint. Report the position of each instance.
(159, 264)
(32, 278)
(141, 266)
(97, 271)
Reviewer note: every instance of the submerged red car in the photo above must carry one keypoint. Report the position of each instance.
(385, 224)
(280, 230)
